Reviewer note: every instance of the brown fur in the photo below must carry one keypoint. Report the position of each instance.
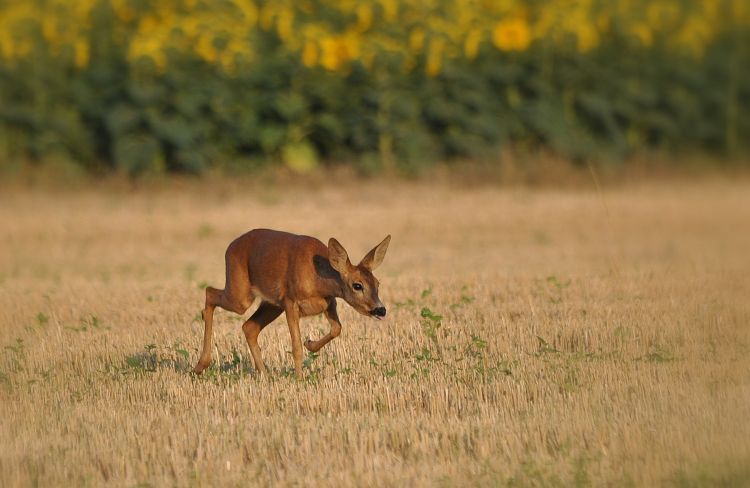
(294, 274)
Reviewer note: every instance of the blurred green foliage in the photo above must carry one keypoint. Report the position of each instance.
(107, 95)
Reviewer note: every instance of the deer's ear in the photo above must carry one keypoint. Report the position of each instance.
(338, 257)
(373, 258)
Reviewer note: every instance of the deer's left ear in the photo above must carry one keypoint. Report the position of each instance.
(373, 258)
(337, 256)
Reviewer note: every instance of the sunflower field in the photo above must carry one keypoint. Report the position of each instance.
(139, 86)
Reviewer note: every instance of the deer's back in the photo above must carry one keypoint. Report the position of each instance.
(279, 264)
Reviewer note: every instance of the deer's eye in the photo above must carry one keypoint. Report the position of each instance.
(358, 286)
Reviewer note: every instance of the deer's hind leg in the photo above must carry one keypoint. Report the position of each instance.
(235, 297)
(265, 314)
(213, 298)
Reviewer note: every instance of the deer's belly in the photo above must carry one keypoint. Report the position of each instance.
(312, 306)
(265, 296)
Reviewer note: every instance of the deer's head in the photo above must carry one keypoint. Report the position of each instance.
(359, 285)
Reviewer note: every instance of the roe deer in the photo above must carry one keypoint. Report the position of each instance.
(294, 274)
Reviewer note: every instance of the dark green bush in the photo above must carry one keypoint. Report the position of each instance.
(131, 115)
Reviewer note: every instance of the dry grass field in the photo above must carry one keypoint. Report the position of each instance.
(534, 338)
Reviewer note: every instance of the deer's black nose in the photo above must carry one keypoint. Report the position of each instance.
(378, 312)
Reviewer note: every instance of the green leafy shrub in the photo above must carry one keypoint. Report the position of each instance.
(145, 87)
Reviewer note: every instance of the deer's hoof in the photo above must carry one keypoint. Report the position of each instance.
(200, 367)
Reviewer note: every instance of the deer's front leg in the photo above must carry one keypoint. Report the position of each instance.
(333, 319)
(292, 319)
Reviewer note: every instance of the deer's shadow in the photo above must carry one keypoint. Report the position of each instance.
(154, 359)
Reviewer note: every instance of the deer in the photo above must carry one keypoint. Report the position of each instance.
(294, 274)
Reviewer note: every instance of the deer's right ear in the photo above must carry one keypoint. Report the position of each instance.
(338, 257)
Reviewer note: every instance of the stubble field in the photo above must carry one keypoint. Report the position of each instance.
(534, 338)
